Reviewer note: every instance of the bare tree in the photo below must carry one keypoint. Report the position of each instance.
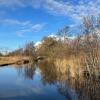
(64, 33)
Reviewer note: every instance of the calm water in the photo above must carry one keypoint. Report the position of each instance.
(33, 82)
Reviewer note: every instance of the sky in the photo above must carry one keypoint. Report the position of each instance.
(22, 21)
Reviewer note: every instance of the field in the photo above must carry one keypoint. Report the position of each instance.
(11, 60)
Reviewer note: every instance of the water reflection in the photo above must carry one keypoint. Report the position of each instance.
(71, 88)
(27, 70)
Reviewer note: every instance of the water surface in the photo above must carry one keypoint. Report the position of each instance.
(30, 83)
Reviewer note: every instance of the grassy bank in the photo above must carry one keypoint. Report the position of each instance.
(76, 66)
(11, 60)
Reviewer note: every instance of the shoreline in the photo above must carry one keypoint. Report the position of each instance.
(5, 61)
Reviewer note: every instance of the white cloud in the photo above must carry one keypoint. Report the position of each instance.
(38, 43)
(68, 8)
(31, 28)
(37, 27)
(58, 7)
(14, 22)
(13, 3)
(23, 26)
(53, 6)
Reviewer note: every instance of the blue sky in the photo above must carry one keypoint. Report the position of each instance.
(30, 20)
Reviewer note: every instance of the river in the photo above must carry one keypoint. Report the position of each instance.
(29, 83)
(44, 81)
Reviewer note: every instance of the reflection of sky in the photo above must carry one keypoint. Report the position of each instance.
(13, 87)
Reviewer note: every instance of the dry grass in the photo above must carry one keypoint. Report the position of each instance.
(67, 65)
(87, 88)
(12, 59)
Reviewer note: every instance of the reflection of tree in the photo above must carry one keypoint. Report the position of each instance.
(27, 71)
(80, 90)
(71, 88)
(48, 72)
(88, 89)
(66, 91)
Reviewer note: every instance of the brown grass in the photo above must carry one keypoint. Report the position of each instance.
(11, 59)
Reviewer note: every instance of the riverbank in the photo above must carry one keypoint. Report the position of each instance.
(13, 60)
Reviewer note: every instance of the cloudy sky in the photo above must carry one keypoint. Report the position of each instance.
(26, 20)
